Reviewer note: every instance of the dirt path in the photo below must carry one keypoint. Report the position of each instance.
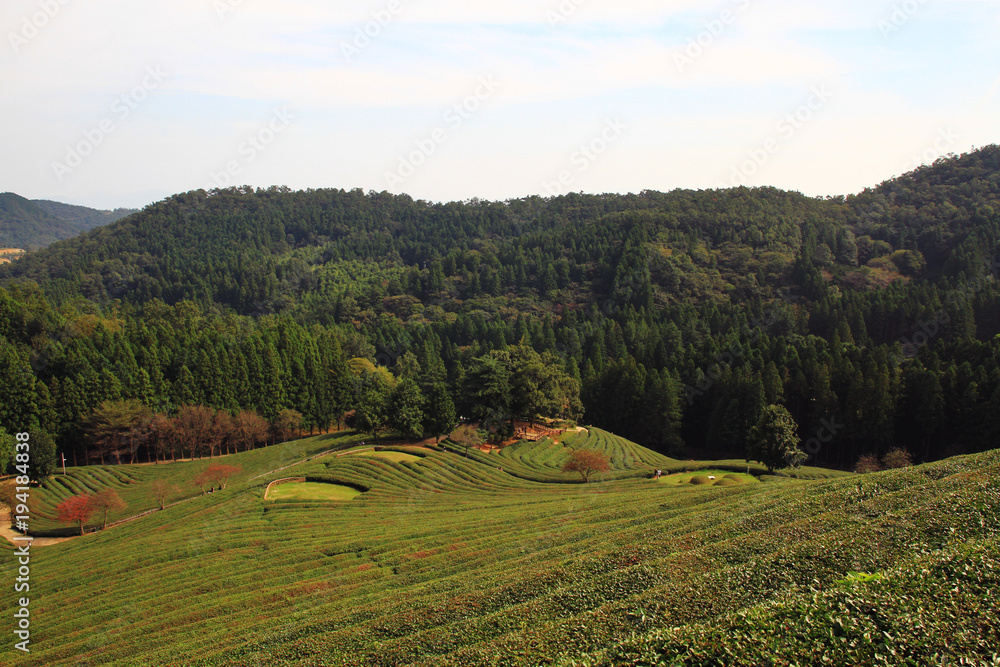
(12, 535)
(287, 480)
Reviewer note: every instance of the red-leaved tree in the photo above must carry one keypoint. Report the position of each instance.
(76, 509)
(587, 462)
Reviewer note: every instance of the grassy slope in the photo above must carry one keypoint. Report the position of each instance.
(447, 561)
(134, 483)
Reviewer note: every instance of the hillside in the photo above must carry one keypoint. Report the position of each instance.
(444, 560)
(34, 224)
(874, 319)
(673, 319)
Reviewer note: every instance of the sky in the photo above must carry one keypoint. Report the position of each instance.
(115, 103)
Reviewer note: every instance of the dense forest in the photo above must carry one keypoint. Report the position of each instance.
(673, 319)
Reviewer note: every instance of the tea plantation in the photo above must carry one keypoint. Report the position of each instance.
(448, 560)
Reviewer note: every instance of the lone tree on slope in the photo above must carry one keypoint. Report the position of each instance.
(107, 501)
(773, 440)
(467, 436)
(161, 491)
(587, 462)
(76, 509)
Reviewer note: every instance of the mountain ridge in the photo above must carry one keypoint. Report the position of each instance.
(35, 224)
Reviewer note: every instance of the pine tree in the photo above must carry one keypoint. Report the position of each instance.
(439, 411)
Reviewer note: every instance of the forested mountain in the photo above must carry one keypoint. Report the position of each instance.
(35, 224)
(874, 318)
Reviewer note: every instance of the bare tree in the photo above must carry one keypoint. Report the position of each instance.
(221, 432)
(287, 425)
(193, 424)
(106, 501)
(250, 429)
(161, 491)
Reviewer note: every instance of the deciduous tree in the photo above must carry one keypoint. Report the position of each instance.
(406, 410)
(161, 491)
(106, 501)
(287, 424)
(897, 458)
(773, 440)
(76, 509)
(866, 464)
(250, 429)
(193, 425)
(587, 462)
(467, 436)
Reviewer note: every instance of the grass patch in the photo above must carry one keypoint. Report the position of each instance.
(398, 457)
(705, 478)
(313, 491)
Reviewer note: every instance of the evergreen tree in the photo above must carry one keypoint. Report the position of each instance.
(439, 411)
(773, 440)
(406, 410)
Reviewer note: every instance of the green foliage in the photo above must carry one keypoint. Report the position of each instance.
(43, 460)
(439, 411)
(773, 440)
(450, 561)
(671, 319)
(35, 224)
(406, 410)
(7, 443)
(373, 404)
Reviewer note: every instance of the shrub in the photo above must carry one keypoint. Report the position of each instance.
(866, 464)
(897, 458)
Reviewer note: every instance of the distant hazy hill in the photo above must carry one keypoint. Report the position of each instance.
(35, 224)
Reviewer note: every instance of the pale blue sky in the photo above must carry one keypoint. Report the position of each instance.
(890, 84)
